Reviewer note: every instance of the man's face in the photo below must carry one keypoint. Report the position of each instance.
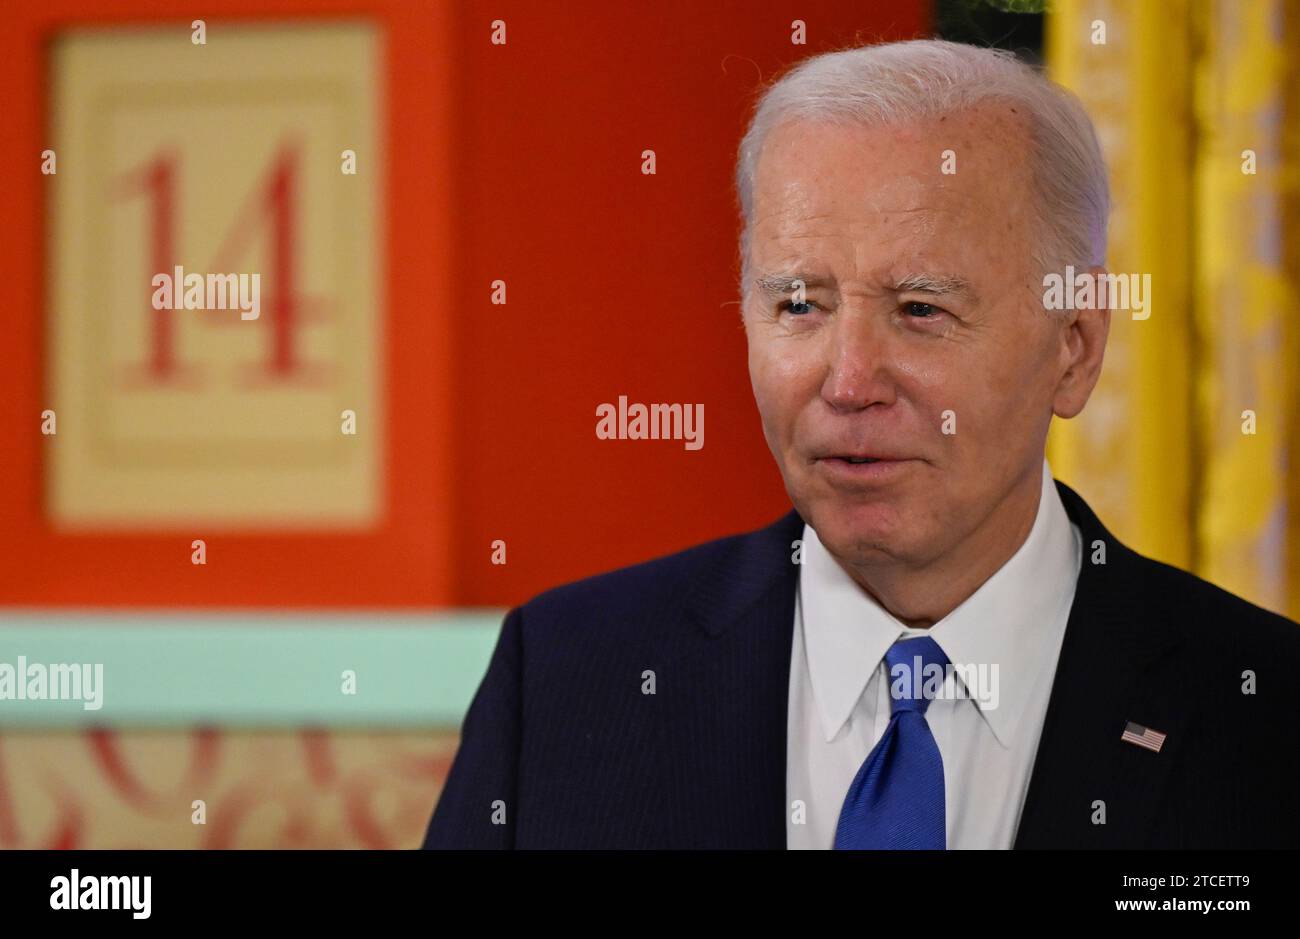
(923, 314)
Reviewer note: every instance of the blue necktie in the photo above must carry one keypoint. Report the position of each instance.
(896, 800)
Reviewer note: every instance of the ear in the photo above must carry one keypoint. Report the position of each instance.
(1082, 347)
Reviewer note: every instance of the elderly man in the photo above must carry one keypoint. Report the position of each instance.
(940, 646)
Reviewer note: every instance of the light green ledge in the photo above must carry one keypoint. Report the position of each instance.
(256, 669)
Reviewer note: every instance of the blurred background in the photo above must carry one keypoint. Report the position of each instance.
(290, 541)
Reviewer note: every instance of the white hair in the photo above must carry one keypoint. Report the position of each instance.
(899, 82)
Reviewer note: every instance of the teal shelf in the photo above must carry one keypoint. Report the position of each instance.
(261, 670)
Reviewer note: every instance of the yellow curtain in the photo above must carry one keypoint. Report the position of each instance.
(1188, 447)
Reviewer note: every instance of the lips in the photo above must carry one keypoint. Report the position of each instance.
(859, 469)
(857, 458)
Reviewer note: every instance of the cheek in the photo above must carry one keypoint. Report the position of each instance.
(994, 396)
(942, 393)
(782, 384)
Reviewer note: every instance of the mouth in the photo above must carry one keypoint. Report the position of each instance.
(856, 459)
(857, 469)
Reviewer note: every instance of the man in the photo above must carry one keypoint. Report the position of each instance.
(902, 205)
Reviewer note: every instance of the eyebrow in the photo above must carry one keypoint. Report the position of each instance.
(936, 285)
(781, 285)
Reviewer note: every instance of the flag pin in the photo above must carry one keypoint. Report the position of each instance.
(1153, 740)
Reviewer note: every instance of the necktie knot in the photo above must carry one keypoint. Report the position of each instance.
(917, 669)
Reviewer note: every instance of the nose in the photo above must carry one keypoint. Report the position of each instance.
(859, 373)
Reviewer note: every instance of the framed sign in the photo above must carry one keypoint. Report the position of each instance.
(214, 298)
(223, 233)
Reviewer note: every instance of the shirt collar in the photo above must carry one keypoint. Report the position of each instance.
(1010, 621)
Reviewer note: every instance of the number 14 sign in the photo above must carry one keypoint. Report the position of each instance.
(243, 176)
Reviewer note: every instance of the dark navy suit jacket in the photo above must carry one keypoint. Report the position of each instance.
(562, 749)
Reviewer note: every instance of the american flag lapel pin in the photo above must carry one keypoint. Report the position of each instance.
(1153, 740)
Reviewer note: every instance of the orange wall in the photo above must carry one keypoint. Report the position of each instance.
(619, 283)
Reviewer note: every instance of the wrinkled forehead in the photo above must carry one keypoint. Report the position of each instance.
(962, 177)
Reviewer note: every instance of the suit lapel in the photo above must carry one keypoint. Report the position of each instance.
(1119, 662)
(730, 721)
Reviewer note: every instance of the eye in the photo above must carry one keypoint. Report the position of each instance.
(919, 310)
(798, 309)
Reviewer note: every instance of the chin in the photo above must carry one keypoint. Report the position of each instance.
(861, 531)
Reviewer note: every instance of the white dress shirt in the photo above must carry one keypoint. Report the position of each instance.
(839, 703)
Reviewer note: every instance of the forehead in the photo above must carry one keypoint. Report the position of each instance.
(827, 187)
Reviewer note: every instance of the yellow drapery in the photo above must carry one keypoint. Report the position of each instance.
(1188, 447)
